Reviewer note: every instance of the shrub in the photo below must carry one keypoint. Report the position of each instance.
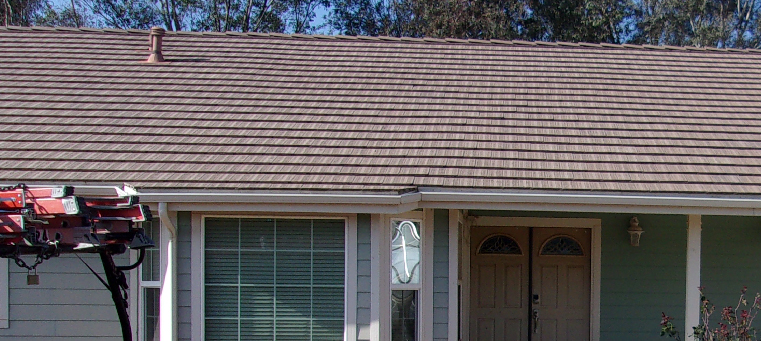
(735, 325)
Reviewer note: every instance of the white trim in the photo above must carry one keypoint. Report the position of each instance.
(596, 257)
(596, 285)
(692, 282)
(426, 262)
(350, 287)
(134, 293)
(465, 290)
(379, 283)
(4, 295)
(592, 203)
(198, 221)
(454, 251)
(393, 204)
(197, 266)
(168, 294)
(284, 198)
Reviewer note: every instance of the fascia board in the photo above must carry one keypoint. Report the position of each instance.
(592, 203)
(293, 207)
(272, 198)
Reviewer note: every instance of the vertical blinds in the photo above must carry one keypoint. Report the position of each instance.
(274, 279)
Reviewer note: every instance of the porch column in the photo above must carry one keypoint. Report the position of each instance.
(692, 299)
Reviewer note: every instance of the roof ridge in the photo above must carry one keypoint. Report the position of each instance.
(385, 38)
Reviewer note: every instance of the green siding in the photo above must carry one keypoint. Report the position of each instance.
(731, 249)
(638, 283)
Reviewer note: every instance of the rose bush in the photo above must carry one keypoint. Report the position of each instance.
(735, 325)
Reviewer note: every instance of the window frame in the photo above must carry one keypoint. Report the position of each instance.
(198, 266)
(137, 294)
(425, 288)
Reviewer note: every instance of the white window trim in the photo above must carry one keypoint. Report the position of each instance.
(4, 295)
(198, 236)
(595, 263)
(136, 284)
(409, 286)
(380, 307)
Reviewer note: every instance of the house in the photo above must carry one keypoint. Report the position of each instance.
(358, 188)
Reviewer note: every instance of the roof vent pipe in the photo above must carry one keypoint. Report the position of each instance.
(157, 34)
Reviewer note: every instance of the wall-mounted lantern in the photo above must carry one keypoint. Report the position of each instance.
(635, 232)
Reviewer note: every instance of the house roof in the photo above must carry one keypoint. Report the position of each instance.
(345, 114)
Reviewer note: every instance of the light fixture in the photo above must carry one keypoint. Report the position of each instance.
(635, 232)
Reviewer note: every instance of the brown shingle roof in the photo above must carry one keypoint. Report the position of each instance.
(317, 113)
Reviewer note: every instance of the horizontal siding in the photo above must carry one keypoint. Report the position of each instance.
(70, 302)
(364, 276)
(440, 274)
(184, 278)
(638, 283)
(730, 254)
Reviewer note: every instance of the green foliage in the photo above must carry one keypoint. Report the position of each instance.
(718, 23)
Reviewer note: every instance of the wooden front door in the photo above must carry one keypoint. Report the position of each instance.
(530, 284)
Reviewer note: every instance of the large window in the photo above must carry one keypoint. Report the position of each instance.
(274, 279)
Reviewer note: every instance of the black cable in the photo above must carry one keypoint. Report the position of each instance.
(139, 261)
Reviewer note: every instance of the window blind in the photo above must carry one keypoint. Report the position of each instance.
(274, 279)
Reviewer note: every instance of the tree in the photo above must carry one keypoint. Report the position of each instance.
(549, 20)
(125, 14)
(20, 12)
(717, 23)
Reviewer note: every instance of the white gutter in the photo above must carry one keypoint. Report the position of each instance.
(593, 203)
(302, 202)
(382, 203)
(168, 296)
(303, 198)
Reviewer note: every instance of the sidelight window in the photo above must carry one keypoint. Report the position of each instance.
(405, 279)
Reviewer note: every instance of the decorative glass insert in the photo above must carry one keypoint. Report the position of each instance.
(562, 246)
(405, 252)
(404, 315)
(274, 279)
(500, 245)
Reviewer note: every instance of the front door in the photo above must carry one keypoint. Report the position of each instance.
(530, 284)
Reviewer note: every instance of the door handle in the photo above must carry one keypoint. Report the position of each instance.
(535, 317)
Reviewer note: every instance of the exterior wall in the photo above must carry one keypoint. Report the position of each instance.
(440, 274)
(69, 304)
(637, 283)
(183, 275)
(363, 277)
(731, 248)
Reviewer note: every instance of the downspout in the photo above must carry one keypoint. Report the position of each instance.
(168, 296)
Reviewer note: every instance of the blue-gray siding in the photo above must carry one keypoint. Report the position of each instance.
(183, 275)
(363, 276)
(69, 304)
(440, 274)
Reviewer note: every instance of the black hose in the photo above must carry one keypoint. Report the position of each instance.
(139, 261)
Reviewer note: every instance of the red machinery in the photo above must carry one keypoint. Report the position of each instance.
(48, 221)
